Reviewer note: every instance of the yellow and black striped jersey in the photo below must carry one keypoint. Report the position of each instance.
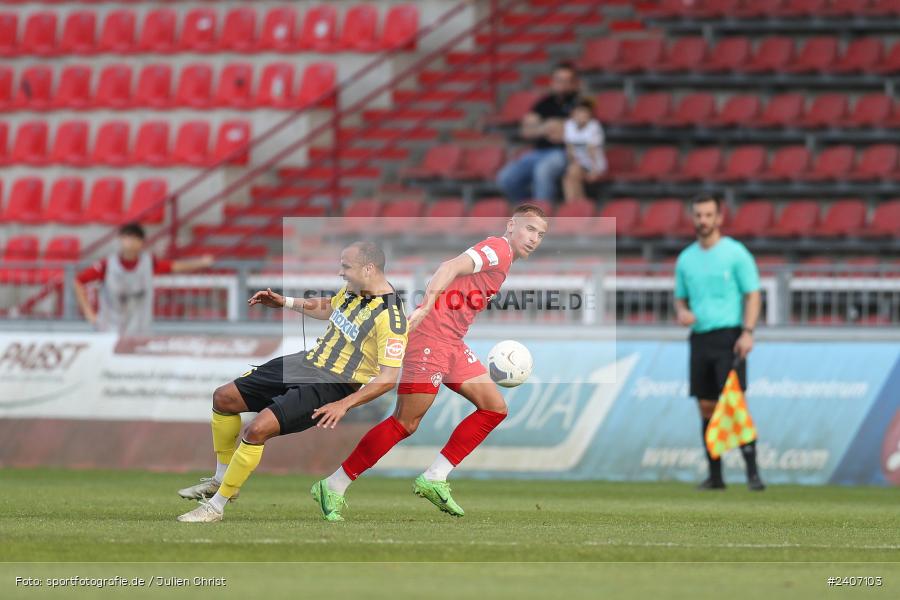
(363, 332)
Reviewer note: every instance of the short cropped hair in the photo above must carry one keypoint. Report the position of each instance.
(706, 197)
(132, 230)
(585, 103)
(370, 252)
(566, 66)
(530, 209)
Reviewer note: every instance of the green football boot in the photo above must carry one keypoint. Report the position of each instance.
(438, 493)
(330, 502)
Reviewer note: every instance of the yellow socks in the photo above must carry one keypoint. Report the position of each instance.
(246, 458)
(225, 432)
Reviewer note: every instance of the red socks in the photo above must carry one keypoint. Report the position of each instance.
(375, 444)
(469, 433)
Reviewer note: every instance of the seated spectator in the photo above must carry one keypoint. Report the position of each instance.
(583, 136)
(536, 174)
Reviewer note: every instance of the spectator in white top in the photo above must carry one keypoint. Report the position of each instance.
(583, 136)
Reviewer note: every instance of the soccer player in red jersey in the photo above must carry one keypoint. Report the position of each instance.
(436, 353)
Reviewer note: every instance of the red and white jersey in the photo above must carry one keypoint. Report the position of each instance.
(468, 295)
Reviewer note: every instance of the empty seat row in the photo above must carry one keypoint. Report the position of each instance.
(757, 9)
(773, 54)
(67, 201)
(451, 161)
(27, 249)
(117, 87)
(113, 144)
(702, 109)
(200, 31)
(752, 163)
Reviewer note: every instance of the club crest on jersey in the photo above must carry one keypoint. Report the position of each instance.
(436, 379)
(492, 257)
(364, 315)
(347, 327)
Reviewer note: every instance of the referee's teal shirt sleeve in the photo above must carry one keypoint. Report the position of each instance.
(746, 273)
(680, 286)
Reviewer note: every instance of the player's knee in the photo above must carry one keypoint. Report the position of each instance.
(410, 424)
(225, 402)
(501, 408)
(573, 173)
(259, 431)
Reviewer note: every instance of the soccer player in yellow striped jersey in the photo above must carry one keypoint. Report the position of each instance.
(357, 359)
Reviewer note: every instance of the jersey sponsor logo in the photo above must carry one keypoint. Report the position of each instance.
(436, 379)
(345, 325)
(393, 348)
(492, 257)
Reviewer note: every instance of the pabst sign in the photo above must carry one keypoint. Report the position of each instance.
(39, 356)
(890, 451)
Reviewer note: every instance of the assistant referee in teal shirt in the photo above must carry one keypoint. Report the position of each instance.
(717, 296)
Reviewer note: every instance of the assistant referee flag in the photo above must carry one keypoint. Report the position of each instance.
(731, 425)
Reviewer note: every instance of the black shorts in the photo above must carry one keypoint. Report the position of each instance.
(712, 356)
(292, 389)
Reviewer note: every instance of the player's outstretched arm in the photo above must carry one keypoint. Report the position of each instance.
(331, 413)
(437, 285)
(317, 308)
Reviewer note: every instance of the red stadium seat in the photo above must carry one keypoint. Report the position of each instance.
(74, 89)
(744, 164)
(772, 56)
(65, 204)
(701, 164)
(105, 204)
(35, 90)
(402, 216)
(659, 218)
(239, 31)
(194, 86)
(480, 163)
(843, 218)
(517, 105)
(198, 32)
(360, 31)
(599, 54)
(4, 146)
(694, 110)
(276, 86)
(192, 144)
(883, 8)
(870, 110)
(798, 219)
(233, 136)
(885, 221)
(825, 111)
(318, 85)
(619, 159)
(357, 218)
(574, 218)
(118, 30)
(861, 56)
(30, 146)
(729, 55)
(783, 110)
(673, 9)
(757, 9)
(686, 54)
(487, 216)
(877, 163)
(278, 31)
(7, 95)
(738, 111)
(145, 204)
(716, 9)
(60, 249)
(235, 87)
(71, 144)
(152, 145)
(639, 55)
(79, 34)
(800, 8)
(625, 211)
(845, 8)
(154, 89)
(649, 109)
(442, 216)
(439, 161)
(319, 30)
(788, 163)
(111, 145)
(818, 55)
(22, 248)
(158, 31)
(890, 63)
(9, 26)
(752, 219)
(656, 164)
(40, 34)
(401, 28)
(114, 89)
(610, 107)
(832, 164)
(26, 201)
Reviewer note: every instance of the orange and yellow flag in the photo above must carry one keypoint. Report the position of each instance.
(731, 425)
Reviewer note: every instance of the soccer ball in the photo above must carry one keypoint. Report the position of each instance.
(510, 363)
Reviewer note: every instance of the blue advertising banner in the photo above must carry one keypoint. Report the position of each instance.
(589, 414)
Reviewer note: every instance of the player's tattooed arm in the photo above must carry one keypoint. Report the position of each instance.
(317, 308)
(437, 285)
(331, 413)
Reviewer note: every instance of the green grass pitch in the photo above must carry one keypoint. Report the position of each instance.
(584, 539)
